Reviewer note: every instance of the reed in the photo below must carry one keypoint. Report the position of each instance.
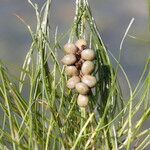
(49, 118)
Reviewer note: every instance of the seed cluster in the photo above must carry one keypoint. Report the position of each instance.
(80, 66)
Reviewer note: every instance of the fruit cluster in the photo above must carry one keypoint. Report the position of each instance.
(79, 67)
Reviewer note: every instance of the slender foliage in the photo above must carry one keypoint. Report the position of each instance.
(48, 116)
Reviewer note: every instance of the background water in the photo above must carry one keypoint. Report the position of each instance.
(112, 17)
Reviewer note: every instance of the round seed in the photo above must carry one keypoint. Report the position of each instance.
(87, 67)
(82, 88)
(81, 44)
(89, 80)
(70, 48)
(88, 54)
(71, 71)
(69, 59)
(72, 82)
(82, 100)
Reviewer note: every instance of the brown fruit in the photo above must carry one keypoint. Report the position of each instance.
(89, 80)
(70, 48)
(69, 59)
(82, 88)
(81, 44)
(88, 54)
(71, 71)
(87, 67)
(72, 82)
(82, 100)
